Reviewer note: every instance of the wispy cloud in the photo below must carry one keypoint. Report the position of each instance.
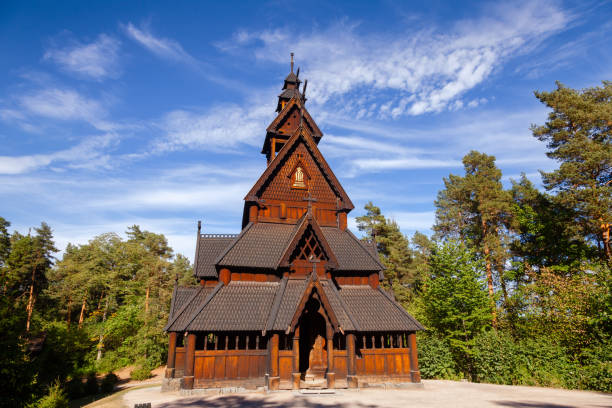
(96, 60)
(413, 72)
(222, 127)
(88, 154)
(66, 104)
(165, 48)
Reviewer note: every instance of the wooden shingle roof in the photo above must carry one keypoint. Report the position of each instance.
(208, 248)
(270, 306)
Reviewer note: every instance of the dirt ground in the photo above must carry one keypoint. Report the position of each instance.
(434, 394)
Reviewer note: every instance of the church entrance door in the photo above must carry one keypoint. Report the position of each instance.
(313, 353)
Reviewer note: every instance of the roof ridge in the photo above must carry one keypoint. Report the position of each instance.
(206, 301)
(396, 304)
(275, 306)
(182, 309)
(219, 235)
(244, 230)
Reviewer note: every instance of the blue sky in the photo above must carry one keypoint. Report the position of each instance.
(118, 113)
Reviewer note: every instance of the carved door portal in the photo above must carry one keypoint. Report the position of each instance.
(313, 347)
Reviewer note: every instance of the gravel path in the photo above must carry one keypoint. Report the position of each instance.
(434, 394)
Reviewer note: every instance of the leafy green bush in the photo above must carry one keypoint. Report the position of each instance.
(141, 373)
(545, 362)
(91, 386)
(495, 358)
(55, 398)
(435, 358)
(108, 383)
(596, 370)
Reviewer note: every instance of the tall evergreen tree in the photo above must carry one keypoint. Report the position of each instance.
(476, 209)
(393, 249)
(578, 134)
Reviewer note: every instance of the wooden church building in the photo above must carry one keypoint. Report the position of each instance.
(294, 300)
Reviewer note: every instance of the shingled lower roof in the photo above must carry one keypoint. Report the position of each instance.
(237, 306)
(374, 310)
(262, 245)
(209, 247)
(251, 306)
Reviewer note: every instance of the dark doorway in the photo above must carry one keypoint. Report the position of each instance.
(313, 354)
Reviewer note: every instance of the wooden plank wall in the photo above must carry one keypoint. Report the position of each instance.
(228, 364)
(383, 362)
(179, 362)
(285, 364)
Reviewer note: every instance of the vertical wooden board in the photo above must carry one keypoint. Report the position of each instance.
(390, 357)
(340, 366)
(243, 366)
(260, 277)
(209, 368)
(285, 367)
(253, 369)
(406, 362)
(179, 360)
(370, 364)
(359, 366)
(398, 363)
(231, 367)
(219, 367)
(380, 364)
(198, 367)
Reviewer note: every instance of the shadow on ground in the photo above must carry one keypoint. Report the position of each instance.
(532, 404)
(244, 401)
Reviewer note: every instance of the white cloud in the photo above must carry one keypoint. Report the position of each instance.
(87, 154)
(66, 104)
(223, 127)
(162, 47)
(417, 72)
(96, 60)
(403, 163)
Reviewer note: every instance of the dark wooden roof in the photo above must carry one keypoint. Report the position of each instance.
(262, 245)
(238, 306)
(375, 310)
(265, 306)
(351, 253)
(208, 248)
(294, 103)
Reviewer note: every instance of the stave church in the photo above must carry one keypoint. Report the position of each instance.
(294, 300)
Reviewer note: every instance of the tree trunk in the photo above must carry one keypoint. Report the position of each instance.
(101, 342)
(30, 306)
(147, 301)
(69, 310)
(82, 315)
(502, 281)
(605, 227)
(489, 272)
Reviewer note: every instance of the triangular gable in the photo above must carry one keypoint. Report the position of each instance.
(314, 283)
(301, 135)
(302, 226)
(284, 114)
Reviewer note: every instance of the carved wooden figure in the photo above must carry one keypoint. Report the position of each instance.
(293, 300)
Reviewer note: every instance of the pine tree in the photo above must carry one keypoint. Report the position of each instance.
(578, 134)
(476, 210)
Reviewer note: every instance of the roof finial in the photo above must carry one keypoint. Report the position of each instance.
(291, 62)
(199, 226)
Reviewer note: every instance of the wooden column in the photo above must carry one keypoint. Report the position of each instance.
(342, 221)
(296, 376)
(331, 375)
(189, 361)
(351, 378)
(274, 380)
(415, 374)
(253, 211)
(171, 355)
